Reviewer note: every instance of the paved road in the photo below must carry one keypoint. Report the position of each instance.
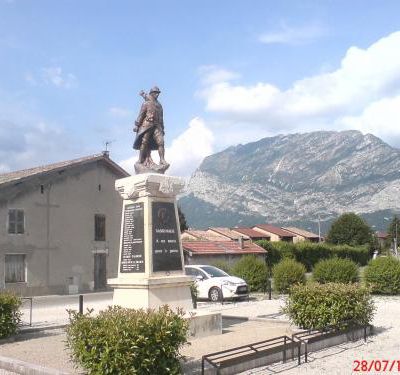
(53, 309)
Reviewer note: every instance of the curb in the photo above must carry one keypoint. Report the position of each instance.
(26, 368)
(257, 319)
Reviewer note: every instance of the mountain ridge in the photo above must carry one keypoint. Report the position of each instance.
(295, 177)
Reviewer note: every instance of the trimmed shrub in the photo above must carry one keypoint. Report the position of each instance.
(383, 275)
(288, 273)
(335, 270)
(10, 315)
(309, 253)
(253, 270)
(273, 255)
(358, 254)
(127, 341)
(319, 305)
(222, 265)
(286, 249)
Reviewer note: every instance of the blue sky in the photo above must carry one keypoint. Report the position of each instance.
(230, 72)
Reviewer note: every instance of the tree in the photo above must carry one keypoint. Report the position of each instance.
(182, 220)
(350, 229)
(393, 231)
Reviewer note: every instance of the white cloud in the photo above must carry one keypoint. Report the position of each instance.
(293, 35)
(379, 118)
(190, 148)
(120, 112)
(186, 151)
(55, 76)
(212, 74)
(367, 81)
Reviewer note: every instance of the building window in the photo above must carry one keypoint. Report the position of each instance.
(99, 227)
(16, 219)
(15, 268)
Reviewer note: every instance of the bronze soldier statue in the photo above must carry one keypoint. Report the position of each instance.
(149, 127)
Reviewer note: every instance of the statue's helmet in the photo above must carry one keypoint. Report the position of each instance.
(155, 89)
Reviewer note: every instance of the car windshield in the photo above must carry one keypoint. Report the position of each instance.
(214, 271)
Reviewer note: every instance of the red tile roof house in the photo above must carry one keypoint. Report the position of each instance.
(252, 234)
(228, 233)
(382, 237)
(302, 235)
(276, 233)
(209, 252)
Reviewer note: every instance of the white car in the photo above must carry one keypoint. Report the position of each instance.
(213, 283)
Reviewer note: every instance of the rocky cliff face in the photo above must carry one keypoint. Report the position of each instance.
(295, 178)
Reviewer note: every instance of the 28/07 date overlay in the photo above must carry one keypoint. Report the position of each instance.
(376, 365)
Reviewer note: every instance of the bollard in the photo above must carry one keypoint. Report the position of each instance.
(81, 304)
(269, 289)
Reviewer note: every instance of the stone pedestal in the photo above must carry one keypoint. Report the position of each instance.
(150, 267)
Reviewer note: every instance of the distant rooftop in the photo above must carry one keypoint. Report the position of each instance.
(301, 232)
(250, 232)
(24, 174)
(222, 247)
(275, 230)
(228, 233)
(202, 235)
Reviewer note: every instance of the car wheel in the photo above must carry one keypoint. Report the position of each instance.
(214, 294)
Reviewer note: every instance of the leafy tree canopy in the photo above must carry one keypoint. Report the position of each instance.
(350, 229)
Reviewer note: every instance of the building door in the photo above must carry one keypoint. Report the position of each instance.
(100, 271)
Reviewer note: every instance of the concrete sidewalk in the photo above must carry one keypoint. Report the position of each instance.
(43, 350)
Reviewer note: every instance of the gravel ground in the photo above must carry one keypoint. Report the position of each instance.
(384, 345)
(50, 351)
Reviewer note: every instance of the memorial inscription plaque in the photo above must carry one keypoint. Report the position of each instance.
(166, 251)
(132, 254)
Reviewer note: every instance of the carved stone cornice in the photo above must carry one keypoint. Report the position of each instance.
(149, 184)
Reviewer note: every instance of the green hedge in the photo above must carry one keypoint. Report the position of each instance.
(383, 275)
(127, 341)
(253, 270)
(288, 273)
(10, 315)
(310, 253)
(335, 270)
(319, 305)
(222, 265)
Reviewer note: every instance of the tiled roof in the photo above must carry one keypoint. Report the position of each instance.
(250, 232)
(273, 229)
(228, 233)
(301, 232)
(24, 174)
(203, 235)
(221, 247)
(382, 235)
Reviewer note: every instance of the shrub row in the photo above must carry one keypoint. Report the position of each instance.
(382, 275)
(319, 305)
(127, 341)
(309, 253)
(10, 315)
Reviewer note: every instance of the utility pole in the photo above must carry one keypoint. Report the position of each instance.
(319, 228)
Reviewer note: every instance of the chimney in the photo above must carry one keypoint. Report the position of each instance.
(240, 240)
(106, 153)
